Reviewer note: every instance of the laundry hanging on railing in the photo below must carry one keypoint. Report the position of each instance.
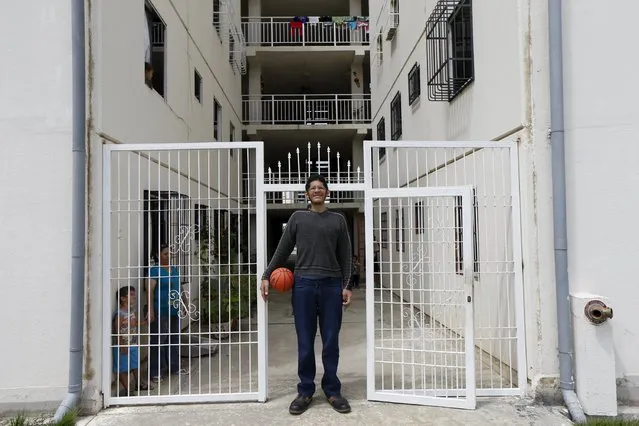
(353, 22)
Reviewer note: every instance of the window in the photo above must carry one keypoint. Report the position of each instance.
(396, 117)
(232, 51)
(449, 49)
(394, 19)
(459, 236)
(381, 136)
(379, 53)
(413, 84)
(154, 55)
(197, 89)
(216, 16)
(217, 117)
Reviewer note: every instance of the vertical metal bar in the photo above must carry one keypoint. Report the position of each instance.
(518, 268)
(262, 314)
(106, 273)
(469, 311)
(370, 279)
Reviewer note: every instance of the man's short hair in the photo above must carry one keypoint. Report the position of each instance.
(313, 178)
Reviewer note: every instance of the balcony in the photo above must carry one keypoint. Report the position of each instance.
(306, 109)
(283, 31)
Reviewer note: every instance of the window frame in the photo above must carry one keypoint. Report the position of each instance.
(396, 116)
(197, 85)
(414, 84)
(381, 131)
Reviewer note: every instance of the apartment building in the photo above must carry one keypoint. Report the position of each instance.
(156, 72)
(458, 103)
(462, 70)
(306, 95)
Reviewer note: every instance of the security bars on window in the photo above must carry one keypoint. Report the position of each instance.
(449, 49)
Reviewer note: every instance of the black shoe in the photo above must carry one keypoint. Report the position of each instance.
(300, 404)
(339, 404)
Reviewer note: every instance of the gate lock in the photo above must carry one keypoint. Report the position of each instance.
(597, 311)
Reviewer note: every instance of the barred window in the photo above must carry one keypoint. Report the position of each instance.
(449, 49)
(396, 117)
(381, 136)
(197, 85)
(413, 84)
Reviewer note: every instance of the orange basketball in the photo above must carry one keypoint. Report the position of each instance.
(282, 280)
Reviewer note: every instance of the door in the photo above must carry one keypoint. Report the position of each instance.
(420, 341)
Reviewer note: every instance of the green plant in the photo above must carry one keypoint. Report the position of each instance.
(69, 419)
(611, 422)
(226, 293)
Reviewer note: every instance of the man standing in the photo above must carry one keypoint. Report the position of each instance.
(322, 275)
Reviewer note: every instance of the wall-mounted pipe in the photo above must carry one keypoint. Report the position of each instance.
(564, 325)
(78, 206)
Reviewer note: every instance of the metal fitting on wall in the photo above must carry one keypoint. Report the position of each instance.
(597, 311)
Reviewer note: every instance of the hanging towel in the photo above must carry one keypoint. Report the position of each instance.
(339, 20)
(313, 19)
(352, 24)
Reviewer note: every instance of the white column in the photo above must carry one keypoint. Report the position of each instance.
(254, 29)
(355, 7)
(255, 90)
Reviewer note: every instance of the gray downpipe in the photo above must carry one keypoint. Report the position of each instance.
(564, 324)
(78, 230)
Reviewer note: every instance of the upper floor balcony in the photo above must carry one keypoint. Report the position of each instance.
(277, 31)
(354, 109)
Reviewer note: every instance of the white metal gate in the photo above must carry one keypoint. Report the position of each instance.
(445, 313)
(208, 338)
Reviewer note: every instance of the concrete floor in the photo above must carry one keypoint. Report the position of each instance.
(282, 374)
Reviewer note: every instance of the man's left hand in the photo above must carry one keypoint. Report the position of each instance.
(346, 297)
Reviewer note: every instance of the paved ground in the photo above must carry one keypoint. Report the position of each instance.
(283, 379)
(490, 412)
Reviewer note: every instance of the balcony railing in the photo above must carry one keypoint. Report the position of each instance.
(306, 109)
(283, 31)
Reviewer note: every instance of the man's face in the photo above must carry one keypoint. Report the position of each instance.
(317, 192)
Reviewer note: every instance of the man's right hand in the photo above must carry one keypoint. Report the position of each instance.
(264, 288)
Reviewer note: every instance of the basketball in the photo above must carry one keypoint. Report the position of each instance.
(282, 280)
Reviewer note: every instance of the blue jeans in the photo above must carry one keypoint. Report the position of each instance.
(164, 354)
(312, 298)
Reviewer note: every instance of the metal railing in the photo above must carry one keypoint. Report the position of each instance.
(283, 31)
(306, 109)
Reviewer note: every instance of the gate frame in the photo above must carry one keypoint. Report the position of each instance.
(518, 286)
(262, 325)
(465, 192)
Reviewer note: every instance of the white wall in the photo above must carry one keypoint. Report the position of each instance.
(35, 211)
(508, 99)
(497, 75)
(125, 110)
(602, 157)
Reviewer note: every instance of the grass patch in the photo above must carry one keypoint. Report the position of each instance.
(612, 422)
(69, 419)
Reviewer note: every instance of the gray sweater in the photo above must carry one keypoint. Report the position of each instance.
(323, 246)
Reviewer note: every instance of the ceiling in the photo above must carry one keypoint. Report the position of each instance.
(310, 72)
(305, 7)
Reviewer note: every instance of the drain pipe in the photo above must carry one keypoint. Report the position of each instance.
(564, 324)
(78, 230)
